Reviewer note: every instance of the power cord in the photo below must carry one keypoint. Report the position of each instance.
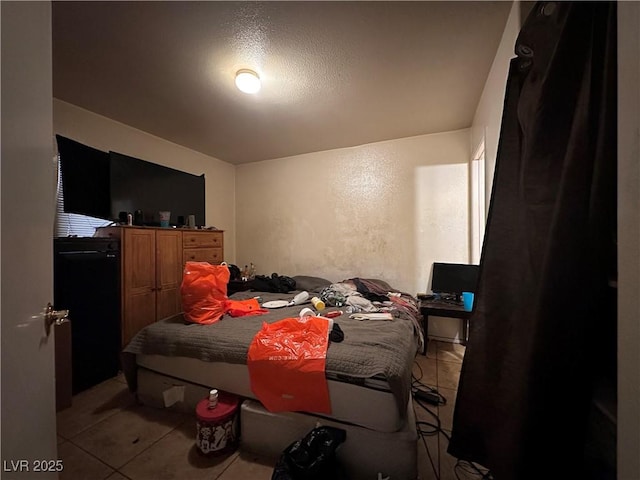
(421, 391)
(423, 433)
(429, 395)
(426, 397)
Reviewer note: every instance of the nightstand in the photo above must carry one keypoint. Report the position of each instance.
(440, 308)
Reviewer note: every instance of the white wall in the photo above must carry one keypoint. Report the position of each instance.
(485, 127)
(106, 134)
(384, 210)
(628, 440)
(488, 117)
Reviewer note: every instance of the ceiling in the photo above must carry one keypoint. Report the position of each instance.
(334, 74)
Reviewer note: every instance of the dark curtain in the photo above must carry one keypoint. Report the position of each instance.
(542, 334)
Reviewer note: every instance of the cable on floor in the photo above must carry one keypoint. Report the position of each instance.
(423, 434)
(424, 392)
(420, 393)
(426, 396)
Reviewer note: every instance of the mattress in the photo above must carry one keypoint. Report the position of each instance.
(365, 452)
(368, 373)
(372, 406)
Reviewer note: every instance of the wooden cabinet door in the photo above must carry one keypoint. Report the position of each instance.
(139, 281)
(168, 272)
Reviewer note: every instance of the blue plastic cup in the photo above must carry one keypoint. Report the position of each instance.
(467, 301)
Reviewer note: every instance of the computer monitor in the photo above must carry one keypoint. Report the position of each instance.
(454, 278)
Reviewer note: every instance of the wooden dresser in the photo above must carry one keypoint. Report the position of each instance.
(202, 246)
(153, 261)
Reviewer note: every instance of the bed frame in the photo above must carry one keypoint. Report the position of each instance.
(365, 453)
(380, 423)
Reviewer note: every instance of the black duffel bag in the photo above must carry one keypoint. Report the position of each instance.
(275, 283)
(312, 457)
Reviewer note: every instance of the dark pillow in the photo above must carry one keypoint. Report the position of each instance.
(381, 284)
(311, 284)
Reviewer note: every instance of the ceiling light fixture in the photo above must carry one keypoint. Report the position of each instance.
(247, 81)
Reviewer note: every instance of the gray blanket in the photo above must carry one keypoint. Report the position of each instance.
(371, 348)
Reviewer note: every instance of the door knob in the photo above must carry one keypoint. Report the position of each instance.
(54, 317)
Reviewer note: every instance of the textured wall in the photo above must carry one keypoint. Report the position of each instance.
(488, 116)
(384, 210)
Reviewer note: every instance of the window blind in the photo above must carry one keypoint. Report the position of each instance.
(72, 224)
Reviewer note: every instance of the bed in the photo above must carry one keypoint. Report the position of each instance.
(173, 363)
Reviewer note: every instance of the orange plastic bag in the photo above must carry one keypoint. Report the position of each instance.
(286, 362)
(204, 292)
(241, 308)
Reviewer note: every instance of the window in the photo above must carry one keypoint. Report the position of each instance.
(72, 224)
(477, 203)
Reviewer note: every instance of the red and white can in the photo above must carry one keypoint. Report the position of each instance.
(217, 427)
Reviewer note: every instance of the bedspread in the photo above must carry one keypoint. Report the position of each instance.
(371, 348)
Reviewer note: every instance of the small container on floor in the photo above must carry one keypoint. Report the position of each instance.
(217, 428)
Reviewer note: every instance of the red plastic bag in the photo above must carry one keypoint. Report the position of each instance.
(204, 292)
(241, 308)
(286, 362)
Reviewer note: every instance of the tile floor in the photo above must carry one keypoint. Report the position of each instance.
(106, 435)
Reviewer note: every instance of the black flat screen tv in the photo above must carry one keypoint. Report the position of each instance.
(140, 185)
(104, 184)
(454, 278)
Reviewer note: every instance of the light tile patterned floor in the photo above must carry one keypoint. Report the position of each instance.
(106, 435)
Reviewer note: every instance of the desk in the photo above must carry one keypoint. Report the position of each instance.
(440, 309)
